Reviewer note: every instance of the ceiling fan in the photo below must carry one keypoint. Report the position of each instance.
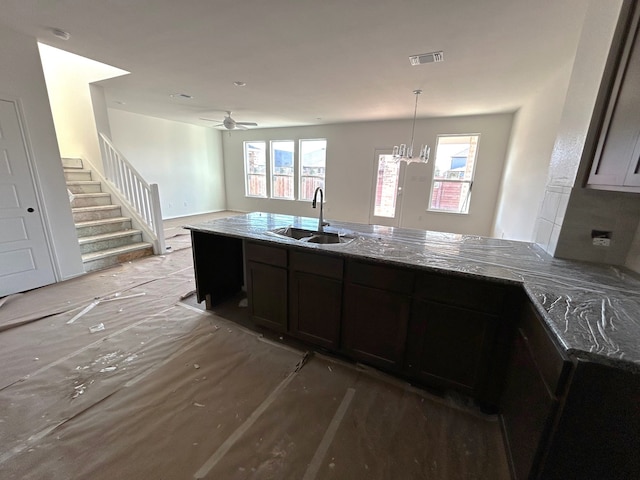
(230, 124)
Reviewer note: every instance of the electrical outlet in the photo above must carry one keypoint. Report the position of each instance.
(601, 238)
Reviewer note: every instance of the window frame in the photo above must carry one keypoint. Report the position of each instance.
(270, 168)
(246, 169)
(470, 182)
(300, 170)
(273, 175)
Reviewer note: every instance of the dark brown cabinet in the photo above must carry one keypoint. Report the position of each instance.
(536, 377)
(377, 305)
(450, 347)
(457, 333)
(597, 434)
(267, 286)
(566, 418)
(315, 298)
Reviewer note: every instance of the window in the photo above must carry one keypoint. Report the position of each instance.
(313, 159)
(453, 173)
(255, 163)
(282, 169)
(272, 173)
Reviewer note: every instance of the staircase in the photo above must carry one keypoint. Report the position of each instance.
(106, 237)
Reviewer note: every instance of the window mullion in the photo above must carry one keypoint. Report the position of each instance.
(269, 169)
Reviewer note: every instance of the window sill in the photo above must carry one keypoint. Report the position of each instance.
(429, 210)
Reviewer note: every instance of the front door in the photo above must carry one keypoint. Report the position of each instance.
(25, 262)
(386, 198)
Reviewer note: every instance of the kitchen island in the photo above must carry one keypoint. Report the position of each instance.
(553, 345)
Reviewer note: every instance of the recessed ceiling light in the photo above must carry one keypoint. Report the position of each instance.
(240, 84)
(181, 95)
(61, 34)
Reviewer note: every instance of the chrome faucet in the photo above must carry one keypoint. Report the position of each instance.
(321, 222)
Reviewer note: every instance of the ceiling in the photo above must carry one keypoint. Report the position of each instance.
(311, 62)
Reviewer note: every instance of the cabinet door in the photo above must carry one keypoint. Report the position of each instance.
(316, 303)
(450, 346)
(616, 161)
(267, 295)
(374, 327)
(527, 410)
(633, 174)
(536, 377)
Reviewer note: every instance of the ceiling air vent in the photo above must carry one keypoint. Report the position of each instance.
(426, 58)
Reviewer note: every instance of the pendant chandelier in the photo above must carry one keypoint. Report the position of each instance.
(404, 153)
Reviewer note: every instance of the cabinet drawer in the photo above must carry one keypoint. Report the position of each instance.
(259, 252)
(322, 265)
(391, 279)
(473, 294)
(552, 363)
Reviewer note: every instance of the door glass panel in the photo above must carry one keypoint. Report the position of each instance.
(386, 194)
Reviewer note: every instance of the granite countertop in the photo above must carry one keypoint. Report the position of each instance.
(594, 310)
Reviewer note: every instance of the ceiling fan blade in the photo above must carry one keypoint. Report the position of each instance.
(210, 119)
(247, 124)
(239, 126)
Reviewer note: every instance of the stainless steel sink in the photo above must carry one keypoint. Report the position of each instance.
(312, 236)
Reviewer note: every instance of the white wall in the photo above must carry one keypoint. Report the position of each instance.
(556, 214)
(68, 77)
(21, 77)
(526, 170)
(570, 212)
(184, 160)
(350, 170)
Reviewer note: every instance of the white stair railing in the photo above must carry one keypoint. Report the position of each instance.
(144, 198)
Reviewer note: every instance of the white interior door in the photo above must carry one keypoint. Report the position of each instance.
(25, 262)
(386, 195)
